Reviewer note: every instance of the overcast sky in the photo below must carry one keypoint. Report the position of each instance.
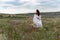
(25, 6)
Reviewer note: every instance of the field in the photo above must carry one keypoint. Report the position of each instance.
(21, 29)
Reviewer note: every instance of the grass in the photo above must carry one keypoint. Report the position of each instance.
(12, 31)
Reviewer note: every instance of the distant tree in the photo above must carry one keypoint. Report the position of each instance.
(9, 16)
(1, 16)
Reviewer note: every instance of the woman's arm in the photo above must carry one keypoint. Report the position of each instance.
(39, 17)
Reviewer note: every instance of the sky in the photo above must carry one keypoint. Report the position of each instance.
(28, 6)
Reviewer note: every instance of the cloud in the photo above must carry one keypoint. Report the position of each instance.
(19, 6)
(14, 10)
(6, 0)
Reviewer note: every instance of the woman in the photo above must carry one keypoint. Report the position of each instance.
(37, 20)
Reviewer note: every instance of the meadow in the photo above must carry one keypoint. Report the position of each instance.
(20, 28)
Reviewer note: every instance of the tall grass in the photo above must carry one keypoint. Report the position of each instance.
(22, 29)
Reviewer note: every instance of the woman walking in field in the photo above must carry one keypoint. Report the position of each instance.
(37, 20)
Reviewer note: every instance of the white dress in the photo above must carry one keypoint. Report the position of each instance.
(37, 20)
